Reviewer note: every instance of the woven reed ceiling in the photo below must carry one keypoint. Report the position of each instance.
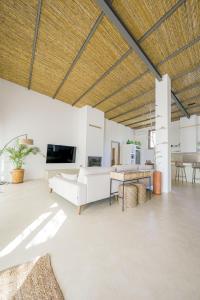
(77, 55)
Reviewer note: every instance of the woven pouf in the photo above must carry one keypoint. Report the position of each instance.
(130, 195)
(142, 196)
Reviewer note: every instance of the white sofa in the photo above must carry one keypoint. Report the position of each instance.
(90, 185)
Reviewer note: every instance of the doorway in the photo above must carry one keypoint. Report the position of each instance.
(115, 153)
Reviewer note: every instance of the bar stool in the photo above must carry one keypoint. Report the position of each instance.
(195, 167)
(180, 171)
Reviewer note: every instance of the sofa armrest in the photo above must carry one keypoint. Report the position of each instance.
(73, 191)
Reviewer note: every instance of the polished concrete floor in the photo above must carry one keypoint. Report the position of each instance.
(148, 252)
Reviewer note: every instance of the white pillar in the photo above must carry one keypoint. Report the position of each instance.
(162, 126)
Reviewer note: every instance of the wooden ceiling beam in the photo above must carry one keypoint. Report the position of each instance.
(80, 52)
(136, 47)
(37, 24)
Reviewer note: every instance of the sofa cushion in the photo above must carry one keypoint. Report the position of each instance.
(69, 176)
(91, 171)
(120, 168)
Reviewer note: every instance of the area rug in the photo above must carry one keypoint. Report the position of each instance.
(34, 280)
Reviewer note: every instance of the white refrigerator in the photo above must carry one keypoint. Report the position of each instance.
(130, 154)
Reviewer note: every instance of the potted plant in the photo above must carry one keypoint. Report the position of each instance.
(17, 155)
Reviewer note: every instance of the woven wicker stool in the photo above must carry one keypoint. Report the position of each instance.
(130, 195)
(142, 196)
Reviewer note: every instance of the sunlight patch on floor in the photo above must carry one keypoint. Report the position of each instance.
(49, 230)
(22, 236)
(54, 205)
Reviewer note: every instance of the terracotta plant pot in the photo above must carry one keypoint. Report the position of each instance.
(17, 175)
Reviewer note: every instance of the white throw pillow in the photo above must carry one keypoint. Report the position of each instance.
(69, 176)
(92, 170)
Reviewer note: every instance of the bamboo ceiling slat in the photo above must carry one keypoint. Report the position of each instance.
(128, 121)
(185, 60)
(131, 67)
(188, 88)
(180, 52)
(176, 31)
(141, 85)
(131, 115)
(193, 110)
(144, 98)
(59, 39)
(134, 112)
(132, 118)
(180, 78)
(171, 40)
(156, 25)
(37, 26)
(151, 120)
(183, 67)
(146, 115)
(145, 112)
(190, 93)
(187, 72)
(139, 16)
(195, 99)
(142, 124)
(105, 47)
(16, 37)
(187, 80)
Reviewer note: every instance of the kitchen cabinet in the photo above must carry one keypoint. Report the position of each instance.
(188, 134)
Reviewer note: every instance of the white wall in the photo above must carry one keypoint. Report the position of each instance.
(51, 121)
(189, 132)
(142, 136)
(91, 133)
(47, 121)
(114, 132)
(175, 136)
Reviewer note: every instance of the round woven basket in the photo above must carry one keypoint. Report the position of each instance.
(17, 175)
(130, 195)
(141, 188)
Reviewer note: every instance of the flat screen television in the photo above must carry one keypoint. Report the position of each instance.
(60, 154)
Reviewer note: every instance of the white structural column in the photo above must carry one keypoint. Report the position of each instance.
(162, 126)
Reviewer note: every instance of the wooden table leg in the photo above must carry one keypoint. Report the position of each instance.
(79, 210)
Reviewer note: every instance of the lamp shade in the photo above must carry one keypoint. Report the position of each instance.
(26, 141)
